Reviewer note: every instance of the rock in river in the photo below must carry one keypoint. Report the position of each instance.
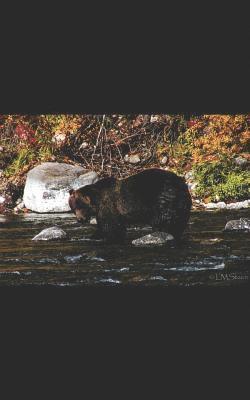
(155, 238)
(47, 186)
(52, 233)
(238, 225)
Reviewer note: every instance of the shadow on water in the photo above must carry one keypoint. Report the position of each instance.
(207, 257)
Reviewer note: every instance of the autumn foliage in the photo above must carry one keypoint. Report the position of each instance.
(105, 142)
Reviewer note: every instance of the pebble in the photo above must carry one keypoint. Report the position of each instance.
(154, 118)
(19, 207)
(164, 160)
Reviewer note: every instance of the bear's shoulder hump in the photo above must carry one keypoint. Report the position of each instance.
(105, 183)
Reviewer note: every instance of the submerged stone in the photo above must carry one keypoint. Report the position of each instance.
(52, 233)
(155, 238)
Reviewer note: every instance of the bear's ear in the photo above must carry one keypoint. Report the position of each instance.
(71, 191)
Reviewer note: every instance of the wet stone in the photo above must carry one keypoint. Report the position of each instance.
(238, 225)
(52, 233)
(155, 238)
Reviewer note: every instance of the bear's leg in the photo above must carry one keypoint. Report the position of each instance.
(112, 232)
(174, 228)
(164, 214)
(164, 222)
(172, 212)
(97, 235)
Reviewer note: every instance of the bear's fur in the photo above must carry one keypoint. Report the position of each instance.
(154, 196)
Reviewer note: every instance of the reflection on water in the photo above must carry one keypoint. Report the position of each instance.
(207, 257)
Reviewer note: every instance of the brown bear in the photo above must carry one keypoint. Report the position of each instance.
(154, 196)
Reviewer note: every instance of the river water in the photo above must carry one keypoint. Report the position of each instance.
(207, 257)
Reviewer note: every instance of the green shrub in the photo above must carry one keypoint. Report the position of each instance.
(221, 181)
(236, 187)
(24, 157)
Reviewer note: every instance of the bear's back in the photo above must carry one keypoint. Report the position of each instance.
(149, 183)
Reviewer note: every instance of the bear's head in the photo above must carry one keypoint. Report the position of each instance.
(81, 204)
(85, 201)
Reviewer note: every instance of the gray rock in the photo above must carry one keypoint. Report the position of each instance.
(133, 159)
(230, 206)
(241, 161)
(238, 224)
(155, 238)
(219, 205)
(53, 233)
(93, 221)
(47, 186)
(238, 205)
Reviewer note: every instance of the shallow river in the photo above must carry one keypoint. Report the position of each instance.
(207, 256)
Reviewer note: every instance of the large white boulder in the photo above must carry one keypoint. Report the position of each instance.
(47, 186)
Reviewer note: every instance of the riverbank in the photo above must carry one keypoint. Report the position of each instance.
(210, 151)
(11, 200)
